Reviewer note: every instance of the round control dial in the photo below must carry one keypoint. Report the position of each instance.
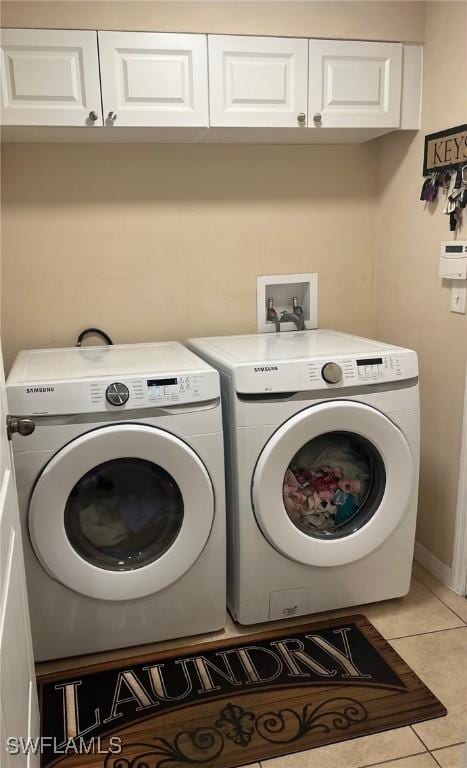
(117, 394)
(332, 373)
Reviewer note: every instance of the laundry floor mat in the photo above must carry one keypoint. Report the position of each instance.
(233, 701)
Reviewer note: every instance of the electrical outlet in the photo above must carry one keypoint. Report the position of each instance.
(458, 298)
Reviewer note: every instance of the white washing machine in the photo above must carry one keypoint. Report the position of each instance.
(121, 489)
(322, 449)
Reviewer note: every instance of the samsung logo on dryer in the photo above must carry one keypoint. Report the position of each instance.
(39, 390)
(265, 368)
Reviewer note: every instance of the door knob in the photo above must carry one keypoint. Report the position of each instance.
(301, 117)
(15, 425)
(112, 116)
(317, 117)
(93, 116)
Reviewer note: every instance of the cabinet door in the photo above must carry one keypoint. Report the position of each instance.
(49, 77)
(354, 84)
(154, 79)
(257, 81)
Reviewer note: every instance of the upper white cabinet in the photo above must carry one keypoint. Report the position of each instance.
(50, 77)
(265, 89)
(257, 81)
(151, 79)
(354, 84)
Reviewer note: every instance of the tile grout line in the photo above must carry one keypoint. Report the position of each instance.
(418, 736)
(440, 598)
(430, 632)
(393, 759)
(448, 746)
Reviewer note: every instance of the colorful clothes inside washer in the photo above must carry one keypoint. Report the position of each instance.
(326, 483)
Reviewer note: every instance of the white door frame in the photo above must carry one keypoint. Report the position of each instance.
(459, 563)
(19, 709)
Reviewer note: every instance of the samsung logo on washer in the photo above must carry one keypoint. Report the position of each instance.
(265, 368)
(39, 390)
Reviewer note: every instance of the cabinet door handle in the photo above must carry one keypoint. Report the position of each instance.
(301, 117)
(93, 116)
(112, 116)
(317, 117)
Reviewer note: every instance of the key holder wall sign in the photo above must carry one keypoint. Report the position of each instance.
(445, 166)
(445, 150)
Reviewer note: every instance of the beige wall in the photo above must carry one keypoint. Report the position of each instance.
(412, 305)
(357, 19)
(155, 242)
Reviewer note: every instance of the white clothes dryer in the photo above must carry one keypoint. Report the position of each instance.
(322, 452)
(121, 490)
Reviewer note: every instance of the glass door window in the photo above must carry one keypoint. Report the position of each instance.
(124, 514)
(334, 484)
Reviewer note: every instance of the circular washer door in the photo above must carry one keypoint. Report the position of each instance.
(121, 512)
(332, 483)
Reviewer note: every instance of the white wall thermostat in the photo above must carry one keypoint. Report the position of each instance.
(453, 260)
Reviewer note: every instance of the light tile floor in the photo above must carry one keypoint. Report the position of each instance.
(428, 628)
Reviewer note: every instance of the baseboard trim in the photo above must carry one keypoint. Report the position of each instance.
(459, 560)
(436, 567)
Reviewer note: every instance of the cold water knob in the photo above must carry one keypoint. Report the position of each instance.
(331, 373)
